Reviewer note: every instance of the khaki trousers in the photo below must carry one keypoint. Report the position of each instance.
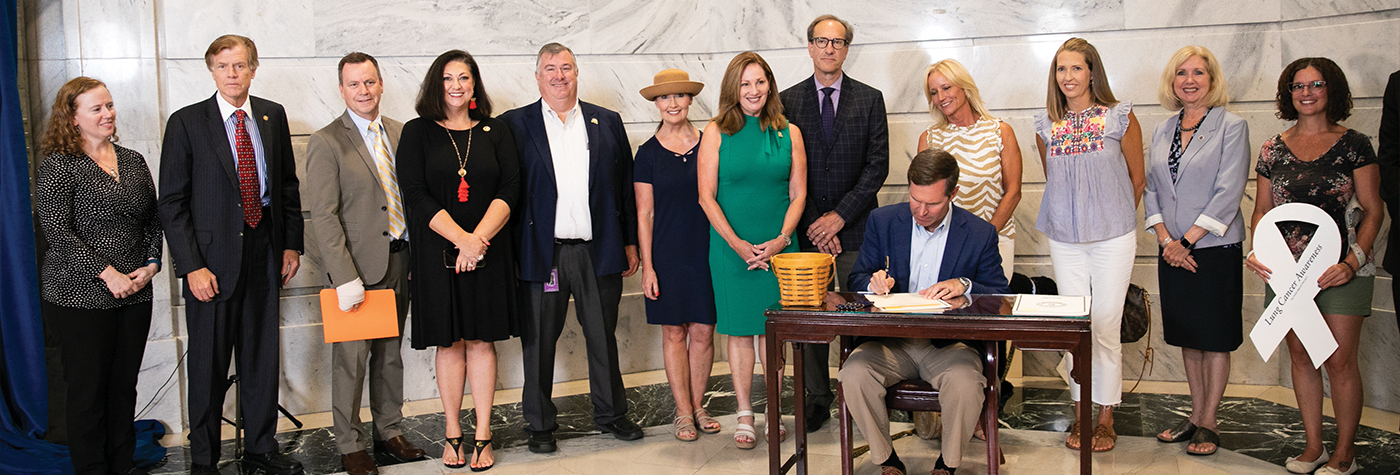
(954, 370)
(381, 361)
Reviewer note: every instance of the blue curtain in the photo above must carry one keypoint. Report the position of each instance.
(23, 384)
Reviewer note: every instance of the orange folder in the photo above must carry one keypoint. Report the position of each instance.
(377, 317)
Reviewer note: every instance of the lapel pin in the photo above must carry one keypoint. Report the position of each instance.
(595, 121)
(264, 117)
(486, 128)
(780, 134)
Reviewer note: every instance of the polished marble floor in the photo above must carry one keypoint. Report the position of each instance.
(1257, 434)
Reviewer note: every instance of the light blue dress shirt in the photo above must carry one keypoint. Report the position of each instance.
(226, 111)
(926, 252)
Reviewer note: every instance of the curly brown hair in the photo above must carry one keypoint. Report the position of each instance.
(61, 135)
(1338, 92)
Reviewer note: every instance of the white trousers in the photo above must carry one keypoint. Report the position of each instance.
(1007, 248)
(1101, 270)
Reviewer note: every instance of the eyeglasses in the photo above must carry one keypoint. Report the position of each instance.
(820, 42)
(1301, 86)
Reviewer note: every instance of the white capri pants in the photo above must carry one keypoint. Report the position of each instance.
(1101, 270)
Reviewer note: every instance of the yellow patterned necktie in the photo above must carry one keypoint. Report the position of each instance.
(385, 166)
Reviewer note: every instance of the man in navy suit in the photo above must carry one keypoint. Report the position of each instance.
(942, 252)
(232, 215)
(848, 154)
(578, 236)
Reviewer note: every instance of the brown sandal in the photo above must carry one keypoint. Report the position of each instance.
(1073, 440)
(1103, 432)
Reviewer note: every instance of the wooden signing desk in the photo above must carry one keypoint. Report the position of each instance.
(976, 317)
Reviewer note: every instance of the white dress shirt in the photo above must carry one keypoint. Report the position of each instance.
(568, 145)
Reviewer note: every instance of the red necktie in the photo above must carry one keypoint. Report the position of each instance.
(248, 187)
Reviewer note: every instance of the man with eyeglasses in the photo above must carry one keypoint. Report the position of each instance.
(848, 151)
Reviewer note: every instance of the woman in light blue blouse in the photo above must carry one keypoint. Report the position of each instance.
(1091, 147)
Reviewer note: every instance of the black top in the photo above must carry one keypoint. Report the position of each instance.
(92, 221)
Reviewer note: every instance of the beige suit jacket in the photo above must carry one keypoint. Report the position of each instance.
(348, 234)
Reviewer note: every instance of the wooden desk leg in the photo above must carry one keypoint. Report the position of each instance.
(771, 413)
(1083, 360)
(990, 427)
(799, 399)
(847, 465)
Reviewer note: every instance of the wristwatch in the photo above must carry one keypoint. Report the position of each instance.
(1186, 243)
(967, 284)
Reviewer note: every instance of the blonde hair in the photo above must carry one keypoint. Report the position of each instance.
(1217, 96)
(1056, 105)
(955, 73)
(60, 135)
(730, 118)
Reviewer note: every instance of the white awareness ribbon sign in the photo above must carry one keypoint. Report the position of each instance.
(1295, 282)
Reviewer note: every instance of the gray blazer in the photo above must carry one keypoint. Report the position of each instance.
(1211, 180)
(349, 231)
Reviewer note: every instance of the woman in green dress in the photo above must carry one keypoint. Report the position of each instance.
(749, 155)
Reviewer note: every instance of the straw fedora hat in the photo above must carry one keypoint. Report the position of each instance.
(671, 81)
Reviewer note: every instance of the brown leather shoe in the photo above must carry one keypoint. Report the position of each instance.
(359, 463)
(399, 448)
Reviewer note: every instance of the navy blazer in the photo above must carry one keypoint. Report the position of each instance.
(610, 197)
(200, 205)
(844, 174)
(971, 251)
(1389, 157)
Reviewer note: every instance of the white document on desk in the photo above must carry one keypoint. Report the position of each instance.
(1051, 305)
(907, 303)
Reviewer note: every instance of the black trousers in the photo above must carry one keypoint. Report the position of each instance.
(245, 323)
(595, 301)
(101, 351)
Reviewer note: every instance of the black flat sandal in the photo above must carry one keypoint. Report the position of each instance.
(1204, 436)
(477, 448)
(456, 444)
(1182, 432)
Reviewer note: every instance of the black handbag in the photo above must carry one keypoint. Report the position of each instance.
(1137, 315)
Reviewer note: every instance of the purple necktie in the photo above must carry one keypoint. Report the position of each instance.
(828, 114)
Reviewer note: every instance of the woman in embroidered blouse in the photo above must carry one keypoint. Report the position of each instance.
(1319, 162)
(97, 205)
(989, 184)
(1195, 180)
(1091, 147)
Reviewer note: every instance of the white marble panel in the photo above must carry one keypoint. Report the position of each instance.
(117, 28)
(1158, 14)
(392, 28)
(1011, 74)
(1379, 337)
(158, 395)
(44, 29)
(280, 28)
(305, 384)
(72, 36)
(45, 79)
(906, 20)
(1364, 49)
(897, 70)
(742, 25)
(641, 26)
(135, 92)
(1298, 9)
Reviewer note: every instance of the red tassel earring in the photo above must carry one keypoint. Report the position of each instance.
(472, 104)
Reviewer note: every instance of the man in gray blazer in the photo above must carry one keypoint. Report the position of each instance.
(848, 157)
(358, 236)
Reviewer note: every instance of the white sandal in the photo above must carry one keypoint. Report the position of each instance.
(742, 429)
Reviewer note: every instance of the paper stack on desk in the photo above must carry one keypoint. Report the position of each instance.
(906, 303)
(1051, 305)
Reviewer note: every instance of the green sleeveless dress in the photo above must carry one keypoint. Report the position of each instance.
(752, 189)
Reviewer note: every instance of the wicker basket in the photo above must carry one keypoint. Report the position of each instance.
(803, 277)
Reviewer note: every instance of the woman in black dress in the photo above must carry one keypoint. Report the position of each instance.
(458, 167)
(674, 238)
(97, 205)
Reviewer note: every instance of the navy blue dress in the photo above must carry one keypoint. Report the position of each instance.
(680, 237)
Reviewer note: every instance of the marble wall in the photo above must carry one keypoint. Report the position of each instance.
(150, 53)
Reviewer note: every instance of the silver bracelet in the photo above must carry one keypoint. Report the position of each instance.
(787, 241)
